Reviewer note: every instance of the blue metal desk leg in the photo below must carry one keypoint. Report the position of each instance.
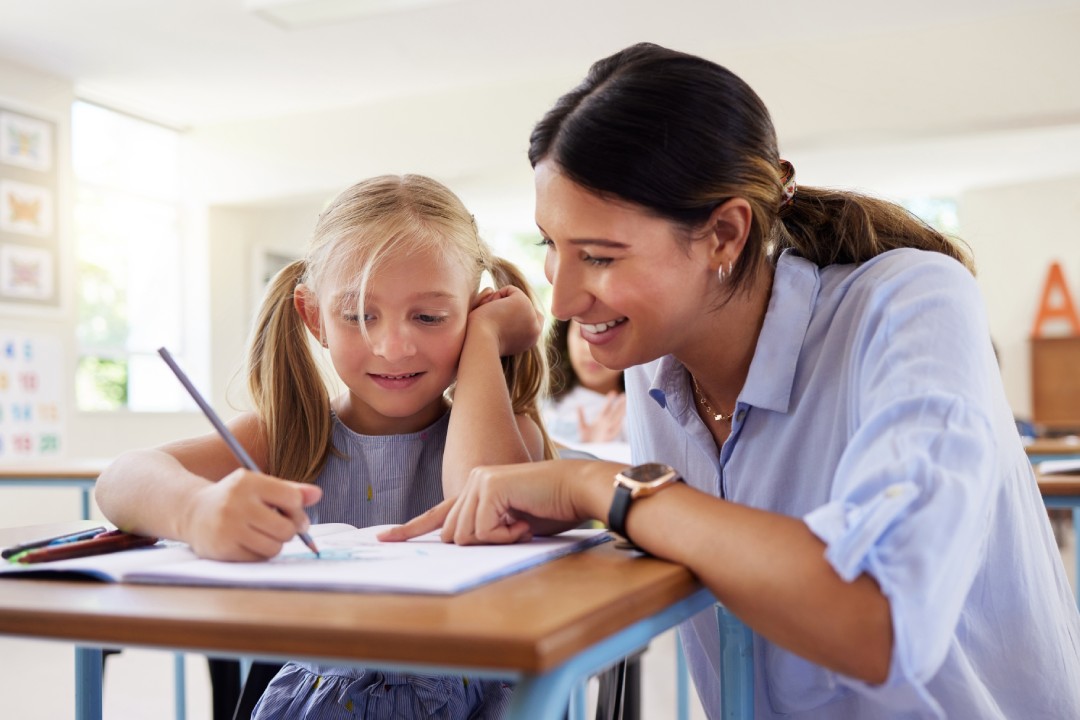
(736, 667)
(88, 683)
(682, 689)
(179, 689)
(1076, 552)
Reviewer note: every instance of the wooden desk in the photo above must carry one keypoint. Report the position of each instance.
(78, 474)
(1048, 448)
(546, 628)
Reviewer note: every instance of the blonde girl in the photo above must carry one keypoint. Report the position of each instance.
(390, 288)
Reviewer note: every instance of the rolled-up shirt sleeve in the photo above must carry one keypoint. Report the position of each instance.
(915, 486)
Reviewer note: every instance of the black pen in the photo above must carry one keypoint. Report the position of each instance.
(48, 542)
(230, 439)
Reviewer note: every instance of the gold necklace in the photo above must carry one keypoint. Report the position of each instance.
(717, 416)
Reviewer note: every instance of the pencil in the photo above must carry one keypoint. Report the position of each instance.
(46, 542)
(230, 439)
(107, 542)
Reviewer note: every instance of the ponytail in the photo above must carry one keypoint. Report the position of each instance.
(527, 373)
(835, 227)
(286, 386)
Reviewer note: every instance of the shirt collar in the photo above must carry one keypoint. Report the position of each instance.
(772, 371)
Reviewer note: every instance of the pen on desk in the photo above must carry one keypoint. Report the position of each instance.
(48, 542)
(230, 439)
(101, 544)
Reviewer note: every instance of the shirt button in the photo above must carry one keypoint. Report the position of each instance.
(740, 415)
(893, 491)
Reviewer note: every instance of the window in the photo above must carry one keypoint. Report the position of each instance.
(130, 269)
(938, 213)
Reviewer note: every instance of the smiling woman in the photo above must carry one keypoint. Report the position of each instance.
(815, 367)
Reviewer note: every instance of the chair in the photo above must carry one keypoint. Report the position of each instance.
(258, 677)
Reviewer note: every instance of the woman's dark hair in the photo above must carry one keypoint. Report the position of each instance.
(563, 378)
(679, 135)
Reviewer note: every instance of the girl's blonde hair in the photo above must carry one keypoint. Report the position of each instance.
(373, 220)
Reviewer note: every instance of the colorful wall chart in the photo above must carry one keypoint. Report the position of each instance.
(29, 240)
(31, 390)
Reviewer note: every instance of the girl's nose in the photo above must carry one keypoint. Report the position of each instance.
(392, 342)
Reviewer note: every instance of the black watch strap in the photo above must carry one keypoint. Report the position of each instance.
(620, 506)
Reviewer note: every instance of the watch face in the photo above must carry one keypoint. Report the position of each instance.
(650, 472)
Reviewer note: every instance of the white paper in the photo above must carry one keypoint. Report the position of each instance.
(351, 560)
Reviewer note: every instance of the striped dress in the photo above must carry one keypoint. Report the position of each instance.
(375, 480)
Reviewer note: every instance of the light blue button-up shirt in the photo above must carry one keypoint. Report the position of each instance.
(874, 410)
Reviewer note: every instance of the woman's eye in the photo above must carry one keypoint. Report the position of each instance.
(546, 243)
(430, 319)
(598, 261)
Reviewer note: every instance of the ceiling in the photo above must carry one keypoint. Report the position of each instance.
(851, 84)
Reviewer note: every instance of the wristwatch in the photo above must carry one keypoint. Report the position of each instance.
(637, 482)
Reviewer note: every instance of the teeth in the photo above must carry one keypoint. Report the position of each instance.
(399, 377)
(601, 327)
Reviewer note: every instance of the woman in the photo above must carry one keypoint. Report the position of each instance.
(817, 367)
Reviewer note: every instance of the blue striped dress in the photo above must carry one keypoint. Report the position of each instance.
(375, 480)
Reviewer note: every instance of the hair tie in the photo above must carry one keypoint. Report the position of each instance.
(787, 179)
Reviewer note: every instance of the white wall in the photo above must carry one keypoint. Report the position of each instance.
(1017, 232)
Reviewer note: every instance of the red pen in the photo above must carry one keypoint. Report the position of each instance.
(106, 542)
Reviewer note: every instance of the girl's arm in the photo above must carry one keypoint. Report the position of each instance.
(483, 428)
(195, 490)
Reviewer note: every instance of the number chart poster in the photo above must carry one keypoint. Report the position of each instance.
(29, 237)
(31, 388)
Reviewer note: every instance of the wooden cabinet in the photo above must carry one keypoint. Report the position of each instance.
(1055, 382)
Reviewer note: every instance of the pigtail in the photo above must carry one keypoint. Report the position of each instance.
(286, 386)
(527, 373)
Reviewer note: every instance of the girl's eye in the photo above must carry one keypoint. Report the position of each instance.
(546, 243)
(598, 261)
(430, 319)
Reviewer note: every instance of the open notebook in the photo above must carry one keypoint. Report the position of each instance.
(352, 560)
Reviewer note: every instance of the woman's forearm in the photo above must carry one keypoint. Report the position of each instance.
(768, 569)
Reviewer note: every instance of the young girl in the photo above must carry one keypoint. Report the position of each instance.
(390, 286)
(588, 402)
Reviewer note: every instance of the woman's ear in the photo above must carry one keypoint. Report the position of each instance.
(307, 305)
(728, 228)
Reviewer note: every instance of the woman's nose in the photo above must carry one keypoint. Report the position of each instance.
(569, 296)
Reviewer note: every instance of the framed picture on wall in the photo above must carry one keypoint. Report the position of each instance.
(30, 242)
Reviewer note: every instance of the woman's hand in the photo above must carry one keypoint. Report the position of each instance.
(247, 516)
(608, 423)
(511, 503)
(510, 316)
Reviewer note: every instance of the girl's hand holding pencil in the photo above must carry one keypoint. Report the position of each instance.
(247, 516)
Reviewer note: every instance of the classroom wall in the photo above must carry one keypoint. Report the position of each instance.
(1016, 232)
